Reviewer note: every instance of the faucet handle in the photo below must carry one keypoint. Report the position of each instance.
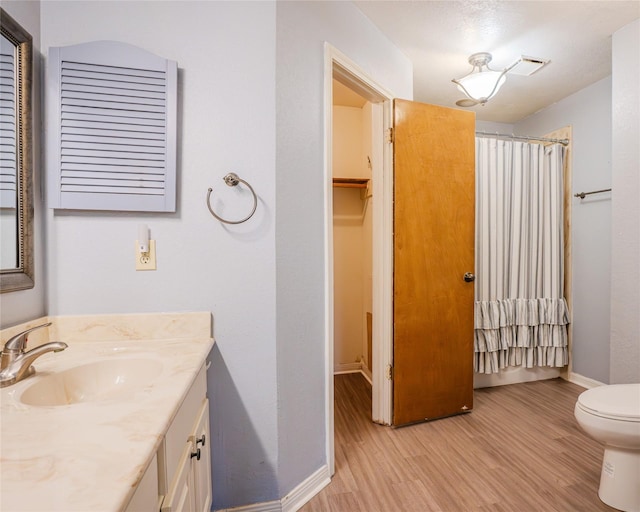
(18, 342)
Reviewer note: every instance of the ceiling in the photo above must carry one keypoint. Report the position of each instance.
(439, 36)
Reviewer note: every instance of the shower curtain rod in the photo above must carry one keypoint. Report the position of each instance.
(564, 142)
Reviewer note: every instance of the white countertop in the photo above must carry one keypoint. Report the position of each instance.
(90, 456)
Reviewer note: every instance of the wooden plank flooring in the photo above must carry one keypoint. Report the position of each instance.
(519, 450)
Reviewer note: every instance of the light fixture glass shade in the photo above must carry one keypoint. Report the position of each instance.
(481, 86)
(482, 83)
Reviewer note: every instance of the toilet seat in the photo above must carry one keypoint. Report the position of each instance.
(619, 402)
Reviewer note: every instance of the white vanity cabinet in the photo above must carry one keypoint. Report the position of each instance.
(184, 464)
(178, 478)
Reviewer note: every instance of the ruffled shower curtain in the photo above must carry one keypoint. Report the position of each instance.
(521, 315)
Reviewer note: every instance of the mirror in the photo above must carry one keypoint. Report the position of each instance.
(16, 200)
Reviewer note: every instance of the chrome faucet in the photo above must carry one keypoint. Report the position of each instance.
(15, 363)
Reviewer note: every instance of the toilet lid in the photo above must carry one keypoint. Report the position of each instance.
(618, 401)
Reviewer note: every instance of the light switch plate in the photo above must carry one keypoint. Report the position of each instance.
(146, 261)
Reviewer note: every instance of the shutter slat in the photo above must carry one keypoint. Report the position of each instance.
(85, 189)
(157, 156)
(97, 124)
(76, 168)
(126, 82)
(90, 83)
(116, 91)
(70, 117)
(122, 162)
(70, 132)
(101, 146)
(111, 97)
(130, 182)
(125, 141)
(151, 177)
(108, 104)
(74, 109)
(116, 70)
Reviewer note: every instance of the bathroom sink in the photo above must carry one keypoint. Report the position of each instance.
(93, 382)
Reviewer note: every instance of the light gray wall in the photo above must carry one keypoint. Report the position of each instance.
(493, 127)
(302, 29)
(625, 275)
(268, 403)
(589, 113)
(226, 59)
(18, 307)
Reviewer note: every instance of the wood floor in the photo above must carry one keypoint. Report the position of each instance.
(519, 450)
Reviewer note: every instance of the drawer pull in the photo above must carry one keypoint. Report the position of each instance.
(196, 454)
(202, 440)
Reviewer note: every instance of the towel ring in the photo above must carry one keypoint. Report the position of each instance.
(232, 179)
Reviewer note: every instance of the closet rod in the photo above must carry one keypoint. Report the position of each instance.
(564, 142)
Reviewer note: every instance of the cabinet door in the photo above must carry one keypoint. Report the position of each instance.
(181, 495)
(146, 496)
(202, 467)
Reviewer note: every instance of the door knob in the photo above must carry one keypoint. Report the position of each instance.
(469, 277)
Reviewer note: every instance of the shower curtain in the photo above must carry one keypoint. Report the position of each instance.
(521, 315)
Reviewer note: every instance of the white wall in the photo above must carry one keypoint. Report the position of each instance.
(302, 29)
(226, 59)
(625, 275)
(347, 149)
(348, 272)
(18, 307)
(493, 127)
(589, 113)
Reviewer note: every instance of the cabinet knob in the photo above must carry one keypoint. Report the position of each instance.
(196, 454)
(202, 440)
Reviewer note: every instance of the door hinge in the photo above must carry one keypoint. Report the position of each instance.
(389, 372)
(389, 135)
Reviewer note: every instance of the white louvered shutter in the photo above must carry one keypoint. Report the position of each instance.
(8, 155)
(112, 128)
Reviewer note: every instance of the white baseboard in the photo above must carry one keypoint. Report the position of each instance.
(293, 501)
(361, 367)
(340, 368)
(367, 373)
(267, 506)
(306, 490)
(583, 381)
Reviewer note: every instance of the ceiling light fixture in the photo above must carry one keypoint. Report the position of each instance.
(482, 83)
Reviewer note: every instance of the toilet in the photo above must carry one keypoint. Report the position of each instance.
(611, 415)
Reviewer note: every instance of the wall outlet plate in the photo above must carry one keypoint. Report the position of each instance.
(146, 261)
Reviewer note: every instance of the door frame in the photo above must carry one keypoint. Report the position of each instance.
(340, 67)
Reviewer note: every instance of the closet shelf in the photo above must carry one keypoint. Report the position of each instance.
(350, 182)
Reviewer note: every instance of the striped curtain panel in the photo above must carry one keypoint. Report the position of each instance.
(521, 315)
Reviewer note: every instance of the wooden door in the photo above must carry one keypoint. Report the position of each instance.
(434, 208)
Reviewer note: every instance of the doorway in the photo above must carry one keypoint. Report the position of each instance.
(379, 204)
(352, 231)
